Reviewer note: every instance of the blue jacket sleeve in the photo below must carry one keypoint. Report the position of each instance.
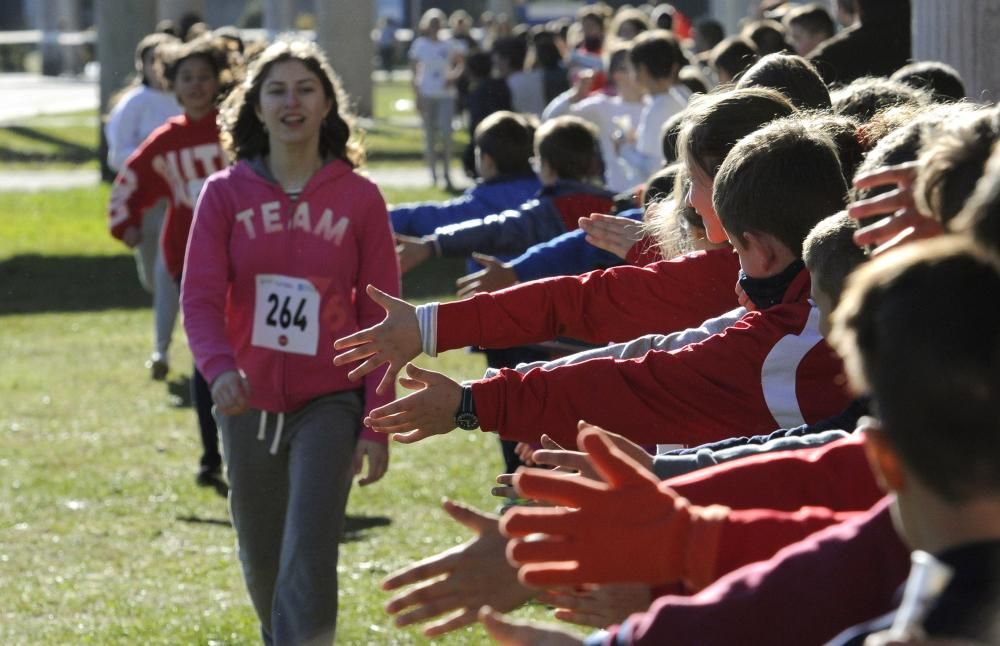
(507, 232)
(420, 219)
(566, 255)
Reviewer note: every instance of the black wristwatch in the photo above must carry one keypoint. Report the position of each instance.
(465, 417)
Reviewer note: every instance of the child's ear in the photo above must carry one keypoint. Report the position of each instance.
(882, 457)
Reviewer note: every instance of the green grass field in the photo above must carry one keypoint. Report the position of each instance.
(104, 538)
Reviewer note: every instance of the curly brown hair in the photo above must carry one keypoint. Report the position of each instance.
(242, 134)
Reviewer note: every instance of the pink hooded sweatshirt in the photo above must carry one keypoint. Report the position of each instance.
(269, 282)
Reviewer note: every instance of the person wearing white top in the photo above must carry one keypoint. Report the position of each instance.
(139, 111)
(611, 113)
(656, 60)
(436, 64)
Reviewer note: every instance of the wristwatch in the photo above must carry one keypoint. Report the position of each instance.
(465, 417)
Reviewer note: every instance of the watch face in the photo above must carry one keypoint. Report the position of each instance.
(467, 421)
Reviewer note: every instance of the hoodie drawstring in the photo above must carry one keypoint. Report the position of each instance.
(262, 430)
(277, 434)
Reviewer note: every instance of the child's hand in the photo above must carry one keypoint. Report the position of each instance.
(904, 222)
(412, 251)
(612, 232)
(132, 237)
(598, 606)
(496, 274)
(461, 578)
(516, 633)
(231, 393)
(378, 461)
(395, 340)
(429, 411)
(603, 523)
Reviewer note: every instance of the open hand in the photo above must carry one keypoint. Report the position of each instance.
(905, 222)
(519, 633)
(412, 251)
(495, 274)
(395, 340)
(429, 411)
(612, 232)
(460, 579)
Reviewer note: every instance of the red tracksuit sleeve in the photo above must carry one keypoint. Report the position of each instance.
(136, 188)
(694, 395)
(613, 305)
(805, 594)
(835, 476)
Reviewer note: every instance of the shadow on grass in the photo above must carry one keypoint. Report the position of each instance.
(179, 392)
(355, 527)
(63, 149)
(35, 284)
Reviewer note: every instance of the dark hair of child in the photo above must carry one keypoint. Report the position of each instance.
(831, 255)
(692, 78)
(869, 95)
(713, 123)
(210, 49)
(733, 55)
(512, 50)
(241, 132)
(952, 163)
(931, 371)
(843, 131)
(813, 18)
(780, 180)
(793, 76)
(981, 214)
(941, 80)
(479, 64)
(656, 50)
(569, 145)
(767, 35)
(711, 31)
(507, 138)
(671, 133)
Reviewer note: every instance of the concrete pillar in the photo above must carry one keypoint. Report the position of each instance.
(964, 35)
(121, 24)
(279, 16)
(56, 16)
(731, 12)
(343, 30)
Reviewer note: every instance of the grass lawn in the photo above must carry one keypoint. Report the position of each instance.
(104, 538)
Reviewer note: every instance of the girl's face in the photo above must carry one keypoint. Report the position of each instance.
(292, 103)
(196, 86)
(149, 71)
(700, 199)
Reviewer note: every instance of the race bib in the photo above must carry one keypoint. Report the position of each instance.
(286, 315)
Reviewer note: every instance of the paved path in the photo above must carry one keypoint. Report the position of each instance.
(29, 95)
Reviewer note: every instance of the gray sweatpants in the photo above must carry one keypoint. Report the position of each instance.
(288, 509)
(155, 279)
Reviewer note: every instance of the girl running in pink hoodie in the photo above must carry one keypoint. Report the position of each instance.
(282, 242)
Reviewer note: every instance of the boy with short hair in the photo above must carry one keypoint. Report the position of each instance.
(503, 142)
(935, 443)
(569, 158)
(771, 369)
(808, 26)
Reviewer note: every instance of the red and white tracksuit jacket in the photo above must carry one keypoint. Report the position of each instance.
(173, 164)
(770, 370)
